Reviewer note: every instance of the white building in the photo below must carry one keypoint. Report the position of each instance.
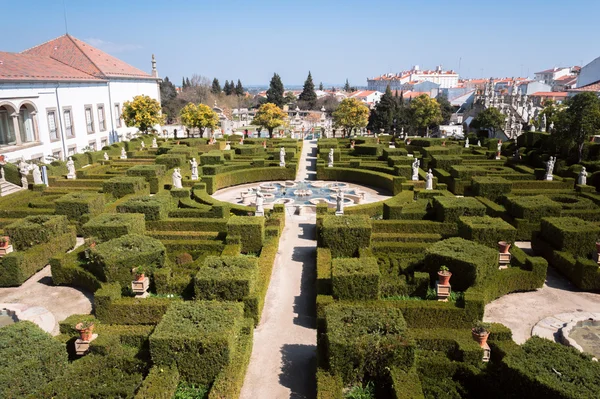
(445, 79)
(368, 97)
(63, 96)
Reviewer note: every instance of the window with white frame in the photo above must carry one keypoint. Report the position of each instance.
(57, 154)
(69, 132)
(118, 114)
(101, 119)
(52, 125)
(72, 150)
(89, 119)
(104, 142)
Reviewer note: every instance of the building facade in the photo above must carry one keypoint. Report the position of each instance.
(445, 79)
(65, 96)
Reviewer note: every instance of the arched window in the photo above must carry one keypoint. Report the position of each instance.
(7, 126)
(26, 125)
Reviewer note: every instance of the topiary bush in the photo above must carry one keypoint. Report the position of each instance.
(74, 205)
(251, 231)
(170, 161)
(113, 225)
(486, 230)
(33, 230)
(226, 278)
(345, 235)
(469, 262)
(570, 234)
(155, 207)
(450, 209)
(207, 331)
(532, 208)
(355, 278)
(491, 187)
(124, 185)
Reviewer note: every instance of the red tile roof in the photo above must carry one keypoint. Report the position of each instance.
(591, 87)
(25, 67)
(549, 94)
(83, 57)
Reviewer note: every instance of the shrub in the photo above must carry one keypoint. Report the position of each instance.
(124, 185)
(152, 174)
(570, 234)
(362, 341)
(450, 209)
(153, 207)
(227, 278)
(486, 230)
(160, 383)
(34, 230)
(491, 187)
(328, 386)
(171, 161)
(251, 230)
(208, 331)
(212, 158)
(345, 235)
(446, 161)
(383, 180)
(74, 205)
(532, 208)
(183, 259)
(116, 258)
(110, 225)
(355, 278)
(469, 262)
(29, 359)
(323, 271)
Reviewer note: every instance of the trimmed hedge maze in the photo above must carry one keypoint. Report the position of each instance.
(380, 327)
(209, 265)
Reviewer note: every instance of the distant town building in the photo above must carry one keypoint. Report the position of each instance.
(369, 97)
(65, 95)
(588, 79)
(443, 78)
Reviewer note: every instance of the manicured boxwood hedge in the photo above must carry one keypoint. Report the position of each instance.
(155, 207)
(323, 271)
(491, 187)
(116, 258)
(570, 234)
(248, 175)
(251, 230)
(361, 341)
(123, 185)
(355, 278)
(33, 230)
(160, 383)
(532, 208)
(345, 235)
(152, 174)
(207, 330)
(486, 230)
(369, 178)
(171, 161)
(450, 209)
(29, 359)
(110, 225)
(469, 262)
(74, 205)
(226, 278)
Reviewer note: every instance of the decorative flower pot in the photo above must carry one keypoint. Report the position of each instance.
(5, 243)
(480, 338)
(444, 277)
(85, 333)
(140, 276)
(503, 247)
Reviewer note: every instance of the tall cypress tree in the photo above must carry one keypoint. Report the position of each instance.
(216, 87)
(347, 87)
(226, 88)
(187, 82)
(183, 83)
(384, 113)
(275, 92)
(239, 89)
(321, 86)
(308, 94)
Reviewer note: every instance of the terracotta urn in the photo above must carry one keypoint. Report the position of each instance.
(481, 338)
(85, 333)
(503, 247)
(444, 277)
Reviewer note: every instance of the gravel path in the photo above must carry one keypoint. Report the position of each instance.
(521, 311)
(283, 362)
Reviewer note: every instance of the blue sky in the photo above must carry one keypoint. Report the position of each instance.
(335, 40)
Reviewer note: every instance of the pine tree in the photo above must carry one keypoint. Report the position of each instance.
(275, 92)
(187, 82)
(308, 94)
(183, 86)
(226, 88)
(216, 87)
(347, 87)
(384, 113)
(239, 89)
(321, 86)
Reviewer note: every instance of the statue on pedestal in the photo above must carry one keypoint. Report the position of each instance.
(106, 156)
(543, 123)
(123, 153)
(194, 166)
(142, 146)
(467, 143)
(550, 168)
(260, 199)
(339, 198)
(154, 143)
(282, 157)
(176, 178)
(71, 168)
(330, 158)
(37, 175)
(582, 180)
(415, 169)
(429, 180)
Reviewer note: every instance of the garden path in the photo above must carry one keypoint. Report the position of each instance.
(283, 362)
(521, 311)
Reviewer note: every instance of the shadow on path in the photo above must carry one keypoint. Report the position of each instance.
(298, 370)
(304, 304)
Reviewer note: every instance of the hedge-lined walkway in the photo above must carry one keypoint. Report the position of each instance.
(283, 362)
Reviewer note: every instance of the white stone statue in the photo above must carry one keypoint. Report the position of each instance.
(123, 153)
(194, 166)
(467, 143)
(339, 198)
(176, 177)
(582, 180)
(106, 156)
(330, 158)
(478, 143)
(142, 145)
(550, 168)
(551, 127)
(543, 123)
(415, 169)
(24, 170)
(71, 169)
(227, 145)
(429, 180)
(260, 200)
(282, 157)
(37, 175)
(154, 143)
(499, 146)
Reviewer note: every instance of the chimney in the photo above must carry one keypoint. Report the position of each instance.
(154, 71)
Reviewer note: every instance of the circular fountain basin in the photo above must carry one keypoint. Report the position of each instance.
(583, 335)
(7, 317)
(268, 187)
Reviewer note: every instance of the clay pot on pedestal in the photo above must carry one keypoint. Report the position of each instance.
(503, 247)
(85, 330)
(444, 277)
(481, 338)
(4, 241)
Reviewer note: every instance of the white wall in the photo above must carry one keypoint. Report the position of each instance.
(73, 96)
(589, 73)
